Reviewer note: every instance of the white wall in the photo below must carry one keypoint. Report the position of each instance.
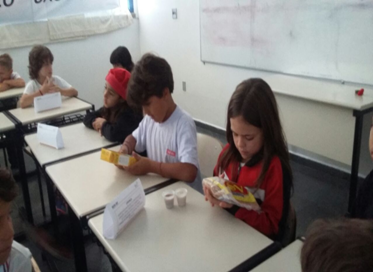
(83, 63)
(209, 86)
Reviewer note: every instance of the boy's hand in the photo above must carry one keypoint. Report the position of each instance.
(97, 123)
(213, 201)
(123, 149)
(141, 167)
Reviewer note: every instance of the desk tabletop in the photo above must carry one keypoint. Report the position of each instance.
(288, 259)
(5, 123)
(69, 105)
(88, 184)
(321, 91)
(11, 93)
(191, 238)
(77, 140)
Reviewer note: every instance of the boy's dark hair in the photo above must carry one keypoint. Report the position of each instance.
(6, 61)
(338, 245)
(38, 55)
(122, 56)
(8, 187)
(150, 76)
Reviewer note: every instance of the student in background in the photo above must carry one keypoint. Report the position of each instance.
(13, 256)
(364, 200)
(8, 78)
(167, 133)
(256, 157)
(42, 79)
(115, 120)
(338, 245)
(121, 58)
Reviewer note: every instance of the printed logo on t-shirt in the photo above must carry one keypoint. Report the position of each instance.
(171, 153)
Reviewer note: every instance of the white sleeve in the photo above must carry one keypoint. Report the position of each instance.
(15, 75)
(20, 259)
(140, 135)
(60, 82)
(187, 142)
(30, 87)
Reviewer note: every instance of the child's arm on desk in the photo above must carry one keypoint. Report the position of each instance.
(15, 83)
(69, 92)
(4, 87)
(27, 99)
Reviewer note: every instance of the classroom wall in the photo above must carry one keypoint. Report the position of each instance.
(210, 86)
(83, 63)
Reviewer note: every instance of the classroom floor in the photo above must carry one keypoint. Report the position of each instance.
(317, 194)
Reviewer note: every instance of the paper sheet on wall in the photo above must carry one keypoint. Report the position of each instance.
(119, 213)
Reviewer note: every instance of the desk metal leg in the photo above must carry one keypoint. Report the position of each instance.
(52, 203)
(23, 176)
(78, 243)
(355, 161)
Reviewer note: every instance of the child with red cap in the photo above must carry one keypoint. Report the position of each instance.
(115, 120)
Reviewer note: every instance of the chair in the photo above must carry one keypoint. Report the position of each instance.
(290, 227)
(35, 267)
(209, 149)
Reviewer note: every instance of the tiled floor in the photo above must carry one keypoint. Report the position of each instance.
(316, 195)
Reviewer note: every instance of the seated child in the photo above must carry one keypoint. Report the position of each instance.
(121, 58)
(338, 245)
(42, 79)
(167, 133)
(8, 78)
(13, 256)
(115, 120)
(256, 157)
(364, 205)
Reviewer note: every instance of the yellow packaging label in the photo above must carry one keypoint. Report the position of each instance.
(116, 158)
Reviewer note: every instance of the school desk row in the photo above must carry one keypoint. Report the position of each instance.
(196, 237)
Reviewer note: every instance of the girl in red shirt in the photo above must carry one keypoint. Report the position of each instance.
(256, 157)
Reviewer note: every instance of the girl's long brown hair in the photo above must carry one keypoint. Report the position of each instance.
(254, 100)
(111, 114)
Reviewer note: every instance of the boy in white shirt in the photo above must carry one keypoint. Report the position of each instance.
(13, 256)
(42, 79)
(8, 78)
(167, 133)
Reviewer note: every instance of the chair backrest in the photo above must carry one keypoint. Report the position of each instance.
(290, 228)
(209, 149)
(35, 267)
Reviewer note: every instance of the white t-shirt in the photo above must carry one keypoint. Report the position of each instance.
(34, 86)
(19, 260)
(172, 141)
(15, 75)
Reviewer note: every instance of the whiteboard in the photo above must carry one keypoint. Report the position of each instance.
(330, 39)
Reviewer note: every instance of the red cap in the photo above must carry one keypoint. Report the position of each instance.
(118, 79)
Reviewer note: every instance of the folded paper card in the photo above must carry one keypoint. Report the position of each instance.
(47, 102)
(50, 135)
(116, 157)
(119, 213)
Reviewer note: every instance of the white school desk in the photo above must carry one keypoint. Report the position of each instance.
(89, 183)
(11, 93)
(323, 117)
(77, 140)
(288, 259)
(191, 238)
(69, 105)
(5, 123)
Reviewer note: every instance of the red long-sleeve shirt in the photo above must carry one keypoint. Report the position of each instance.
(269, 195)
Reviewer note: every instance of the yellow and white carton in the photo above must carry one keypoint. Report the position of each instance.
(231, 192)
(116, 157)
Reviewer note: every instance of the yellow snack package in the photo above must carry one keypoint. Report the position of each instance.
(231, 192)
(116, 157)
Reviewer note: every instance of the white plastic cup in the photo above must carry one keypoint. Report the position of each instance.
(169, 197)
(181, 195)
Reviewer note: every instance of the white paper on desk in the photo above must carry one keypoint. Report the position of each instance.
(50, 135)
(47, 102)
(123, 209)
